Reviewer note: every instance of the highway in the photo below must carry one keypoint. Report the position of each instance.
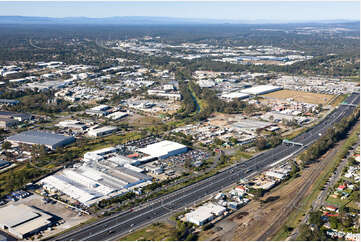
(119, 224)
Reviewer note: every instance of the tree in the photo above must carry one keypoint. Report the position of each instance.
(6, 145)
(261, 143)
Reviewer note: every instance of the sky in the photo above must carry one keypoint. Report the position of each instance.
(255, 10)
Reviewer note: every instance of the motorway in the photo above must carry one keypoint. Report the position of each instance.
(119, 224)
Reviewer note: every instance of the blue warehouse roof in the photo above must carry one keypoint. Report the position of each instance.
(41, 138)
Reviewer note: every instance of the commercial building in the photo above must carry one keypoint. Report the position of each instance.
(164, 149)
(35, 137)
(102, 131)
(262, 89)
(205, 213)
(23, 221)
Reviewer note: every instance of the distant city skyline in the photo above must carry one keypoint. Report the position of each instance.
(280, 11)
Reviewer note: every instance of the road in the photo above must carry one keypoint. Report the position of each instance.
(120, 224)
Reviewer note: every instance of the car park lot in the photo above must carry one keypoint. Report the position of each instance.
(67, 217)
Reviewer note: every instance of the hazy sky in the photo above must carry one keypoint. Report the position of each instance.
(208, 10)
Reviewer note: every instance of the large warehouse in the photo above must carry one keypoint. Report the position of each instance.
(234, 95)
(35, 137)
(23, 221)
(99, 177)
(262, 89)
(164, 149)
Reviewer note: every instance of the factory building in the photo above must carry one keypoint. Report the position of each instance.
(98, 132)
(23, 221)
(205, 213)
(262, 89)
(103, 175)
(164, 149)
(35, 137)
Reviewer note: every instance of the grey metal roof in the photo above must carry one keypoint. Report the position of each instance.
(4, 163)
(41, 138)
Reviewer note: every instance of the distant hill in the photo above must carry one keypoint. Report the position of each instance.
(133, 20)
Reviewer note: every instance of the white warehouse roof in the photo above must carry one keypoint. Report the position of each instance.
(164, 149)
(262, 89)
(233, 95)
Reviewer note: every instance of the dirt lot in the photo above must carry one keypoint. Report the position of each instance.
(299, 96)
(70, 217)
(142, 121)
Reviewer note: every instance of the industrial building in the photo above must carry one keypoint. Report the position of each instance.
(16, 116)
(101, 110)
(98, 132)
(6, 123)
(205, 213)
(103, 175)
(234, 95)
(117, 115)
(72, 125)
(249, 125)
(23, 221)
(261, 89)
(99, 154)
(164, 149)
(35, 137)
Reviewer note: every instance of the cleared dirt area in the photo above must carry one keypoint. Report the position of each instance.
(299, 96)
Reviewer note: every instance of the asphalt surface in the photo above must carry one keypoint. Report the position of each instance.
(120, 224)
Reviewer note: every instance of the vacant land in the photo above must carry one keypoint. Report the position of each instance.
(299, 96)
(153, 232)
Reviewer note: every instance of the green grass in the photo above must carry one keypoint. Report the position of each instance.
(241, 154)
(337, 201)
(353, 205)
(338, 100)
(153, 232)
